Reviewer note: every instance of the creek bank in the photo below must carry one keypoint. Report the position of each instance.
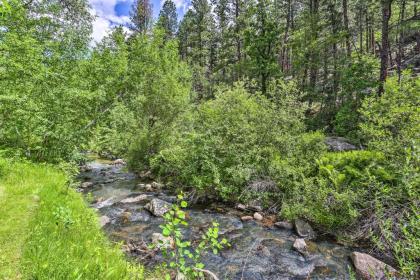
(262, 248)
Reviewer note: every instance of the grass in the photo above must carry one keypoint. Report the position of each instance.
(48, 232)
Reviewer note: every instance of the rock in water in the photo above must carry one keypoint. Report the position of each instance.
(303, 229)
(300, 245)
(370, 268)
(156, 186)
(119, 162)
(241, 207)
(158, 207)
(339, 144)
(86, 185)
(258, 216)
(104, 220)
(134, 199)
(246, 218)
(284, 225)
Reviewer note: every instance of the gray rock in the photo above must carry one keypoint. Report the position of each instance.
(258, 216)
(300, 245)
(134, 199)
(104, 220)
(246, 218)
(119, 162)
(86, 185)
(104, 203)
(339, 144)
(284, 225)
(158, 207)
(370, 268)
(156, 185)
(303, 229)
(241, 207)
(140, 216)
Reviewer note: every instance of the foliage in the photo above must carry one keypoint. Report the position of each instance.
(182, 256)
(228, 141)
(146, 88)
(44, 109)
(391, 123)
(358, 81)
(47, 231)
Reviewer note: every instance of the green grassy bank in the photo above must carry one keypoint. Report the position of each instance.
(48, 232)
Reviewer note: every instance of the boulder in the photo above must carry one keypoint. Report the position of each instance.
(284, 225)
(104, 203)
(246, 218)
(158, 207)
(161, 241)
(370, 268)
(240, 207)
(134, 199)
(86, 185)
(148, 188)
(339, 144)
(119, 162)
(258, 216)
(156, 185)
(104, 220)
(303, 229)
(300, 245)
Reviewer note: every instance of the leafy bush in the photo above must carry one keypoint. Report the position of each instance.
(345, 184)
(228, 141)
(391, 123)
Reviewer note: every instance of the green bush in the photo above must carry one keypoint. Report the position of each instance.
(345, 184)
(391, 123)
(229, 141)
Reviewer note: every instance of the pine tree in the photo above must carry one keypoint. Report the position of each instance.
(168, 19)
(141, 16)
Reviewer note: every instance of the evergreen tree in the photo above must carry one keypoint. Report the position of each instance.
(168, 19)
(141, 16)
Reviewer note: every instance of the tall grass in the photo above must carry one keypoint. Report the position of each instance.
(48, 232)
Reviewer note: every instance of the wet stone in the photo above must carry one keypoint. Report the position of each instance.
(303, 229)
(257, 252)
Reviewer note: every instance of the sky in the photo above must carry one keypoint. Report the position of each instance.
(110, 13)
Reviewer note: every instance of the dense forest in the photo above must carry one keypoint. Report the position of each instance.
(234, 102)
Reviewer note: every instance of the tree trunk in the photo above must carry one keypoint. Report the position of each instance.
(346, 27)
(313, 72)
(386, 15)
(284, 53)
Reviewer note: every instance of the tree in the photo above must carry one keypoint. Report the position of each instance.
(141, 16)
(261, 43)
(386, 15)
(168, 19)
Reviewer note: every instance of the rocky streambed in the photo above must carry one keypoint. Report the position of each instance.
(260, 248)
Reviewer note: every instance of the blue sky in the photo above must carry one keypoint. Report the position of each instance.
(115, 12)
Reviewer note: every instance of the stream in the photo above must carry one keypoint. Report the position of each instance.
(258, 251)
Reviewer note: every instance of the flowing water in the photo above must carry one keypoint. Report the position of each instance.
(257, 251)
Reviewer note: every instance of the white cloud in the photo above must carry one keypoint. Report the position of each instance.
(181, 4)
(105, 17)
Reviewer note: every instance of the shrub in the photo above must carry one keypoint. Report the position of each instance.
(345, 184)
(391, 123)
(229, 141)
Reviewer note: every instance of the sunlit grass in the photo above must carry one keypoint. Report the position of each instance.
(48, 232)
